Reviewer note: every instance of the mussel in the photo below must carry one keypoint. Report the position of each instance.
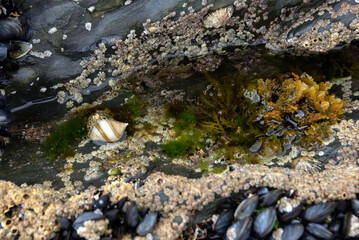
(14, 50)
(12, 29)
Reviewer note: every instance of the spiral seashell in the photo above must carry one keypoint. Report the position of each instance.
(218, 18)
(108, 130)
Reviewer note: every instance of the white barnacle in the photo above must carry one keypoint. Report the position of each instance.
(218, 18)
(52, 30)
(88, 26)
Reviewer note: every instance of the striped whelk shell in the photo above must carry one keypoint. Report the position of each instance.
(218, 18)
(107, 131)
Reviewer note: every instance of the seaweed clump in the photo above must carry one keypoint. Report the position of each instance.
(66, 134)
(261, 118)
(228, 115)
(187, 136)
(298, 108)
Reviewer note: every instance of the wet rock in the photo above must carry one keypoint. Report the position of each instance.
(240, 230)
(265, 221)
(246, 208)
(293, 231)
(147, 224)
(319, 231)
(270, 198)
(132, 215)
(224, 220)
(319, 213)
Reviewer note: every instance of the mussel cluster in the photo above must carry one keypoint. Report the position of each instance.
(111, 219)
(275, 214)
(14, 37)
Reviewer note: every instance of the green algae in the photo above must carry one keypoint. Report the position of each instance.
(188, 136)
(134, 106)
(219, 169)
(64, 136)
(204, 165)
(114, 172)
(187, 142)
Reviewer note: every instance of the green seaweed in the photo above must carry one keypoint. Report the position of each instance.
(276, 225)
(175, 148)
(188, 136)
(186, 121)
(219, 169)
(226, 114)
(184, 144)
(134, 106)
(66, 134)
(204, 165)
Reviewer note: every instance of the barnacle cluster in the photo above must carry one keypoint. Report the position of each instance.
(299, 107)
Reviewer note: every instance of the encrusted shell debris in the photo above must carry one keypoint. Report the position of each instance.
(218, 18)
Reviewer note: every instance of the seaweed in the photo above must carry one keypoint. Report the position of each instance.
(188, 136)
(219, 169)
(298, 107)
(187, 142)
(134, 106)
(66, 134)
(227, 114)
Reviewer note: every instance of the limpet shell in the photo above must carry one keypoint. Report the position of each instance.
(218, 18)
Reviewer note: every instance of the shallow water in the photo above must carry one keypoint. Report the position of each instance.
(27, 162)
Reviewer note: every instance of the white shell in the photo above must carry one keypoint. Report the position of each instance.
(108, 130)
(218, 18)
